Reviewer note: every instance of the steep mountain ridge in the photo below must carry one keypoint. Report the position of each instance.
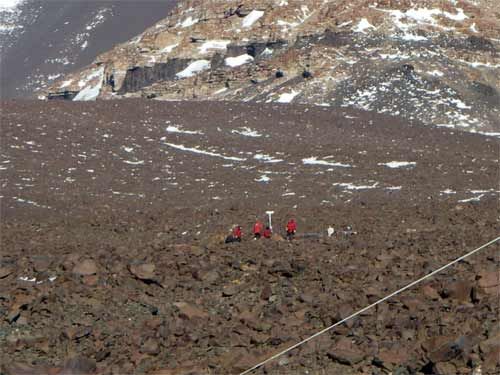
(436, 61)
(42, 40)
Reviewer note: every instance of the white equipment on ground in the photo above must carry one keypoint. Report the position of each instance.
(270, 214)
(330, 231)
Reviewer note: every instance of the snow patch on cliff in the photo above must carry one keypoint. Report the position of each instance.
(238, 60)
(251, 18)
(194, 68)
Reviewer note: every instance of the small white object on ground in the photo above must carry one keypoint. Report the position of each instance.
(330, 231)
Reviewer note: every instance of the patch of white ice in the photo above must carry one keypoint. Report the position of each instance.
(10, 5)
(436, 73)
(90, 92)
(251, 18)
(314, 161)
(448, 191)
(169, 48)
(267, 52)
(287, 97)
(362, 26)
(473, 199)
(399, 164)
(96, 73)
(350, 186)
(194, 68)
(267, 158)
(213, 45)
(26, 278)
(202, 152)
(238, 60)
(263, 178)
(176, 129)
(188, 22)
(139, 162)
(220, 91)
(247, 132)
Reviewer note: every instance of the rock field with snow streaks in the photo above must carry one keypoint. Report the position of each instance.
(114, 215)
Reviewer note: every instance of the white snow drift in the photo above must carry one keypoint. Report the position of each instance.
(91, 92)
(314, 161)
(238, 60)
(194, 68)
(251, 18)
(399, 164)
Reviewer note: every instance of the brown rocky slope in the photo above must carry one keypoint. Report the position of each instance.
(114, 215)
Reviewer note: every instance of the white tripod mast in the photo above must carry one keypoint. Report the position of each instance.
(270, 214)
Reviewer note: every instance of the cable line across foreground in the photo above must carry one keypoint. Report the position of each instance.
(413, 283)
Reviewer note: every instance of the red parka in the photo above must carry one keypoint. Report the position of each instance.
(237, 232)
(291, 227)
(257, 228)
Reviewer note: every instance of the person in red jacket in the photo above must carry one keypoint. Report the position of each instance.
(257, 229)
(291, 228)
(237, 233)
(267, 233)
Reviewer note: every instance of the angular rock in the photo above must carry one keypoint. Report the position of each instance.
(229, 291)
(5, 271)
(430, 292)
(25, 369)
(277, 237)
(153, 323)
(444, 349)
(487, 345)
(189, 311)
(342, 312)
(306, 298)
(41, 263)
(489, 282)
(346, 357)
(412, 304)
(445, 368)
(79, 366)
(90, 280)
(283, 268)
(102, 355)
(209, 277)
(266, 292)
(145, 271)
(182, 370)
(393, 356)
(345, 352)
(85, 268)
(489, 279)
(492, 359)
(21, 302)
(237, 360)
(150, 346)
(76, 333)
(459, 290)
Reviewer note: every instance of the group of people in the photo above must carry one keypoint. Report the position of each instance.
(260, 231)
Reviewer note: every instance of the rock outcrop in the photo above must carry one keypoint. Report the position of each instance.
(434, 61)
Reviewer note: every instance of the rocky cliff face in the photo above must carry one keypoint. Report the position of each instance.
(41, 40)
(433, 60)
